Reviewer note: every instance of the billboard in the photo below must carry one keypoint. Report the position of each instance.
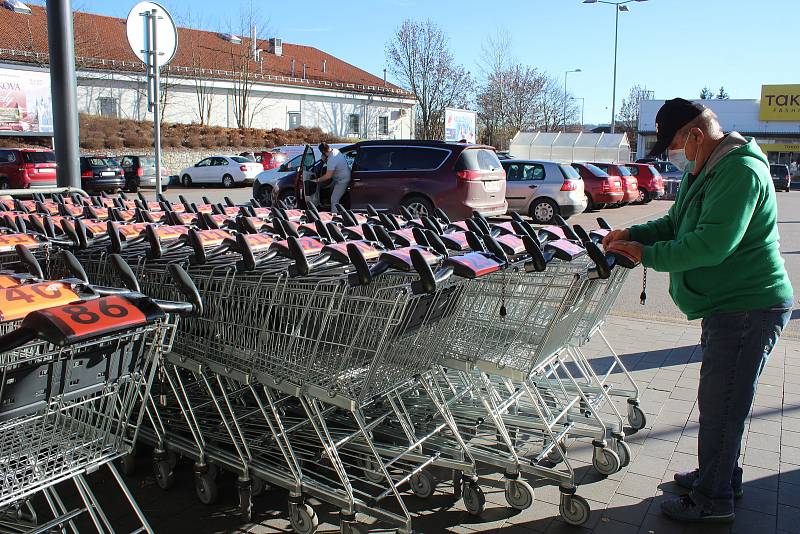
(25, 103)
(460, 124)
(780, 103)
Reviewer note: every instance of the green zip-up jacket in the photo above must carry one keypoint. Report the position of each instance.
(719, 240)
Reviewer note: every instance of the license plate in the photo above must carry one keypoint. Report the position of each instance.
(47, 171)
(492, 187)
(108, 173)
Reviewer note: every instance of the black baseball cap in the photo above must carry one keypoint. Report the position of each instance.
(673, 115)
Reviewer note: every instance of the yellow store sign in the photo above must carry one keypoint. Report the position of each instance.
(780, 147)
(780, 103)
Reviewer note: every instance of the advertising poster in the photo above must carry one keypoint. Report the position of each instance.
(460, 124)
(25, 104)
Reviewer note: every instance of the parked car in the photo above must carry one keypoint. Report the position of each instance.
(600, 188)
(266, 180)
(651, 184)
(781, 177)
(630, 186)
(672, 176)
(419, 175)
(140, 171)
(101, 173)
(225, 170)
(270, 159)
(23, 168)
(543, 189)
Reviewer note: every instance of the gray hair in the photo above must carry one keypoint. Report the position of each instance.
(706, 121)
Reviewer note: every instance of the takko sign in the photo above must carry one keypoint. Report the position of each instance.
(780, 103)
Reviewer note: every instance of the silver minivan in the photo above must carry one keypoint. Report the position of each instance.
(543, 189)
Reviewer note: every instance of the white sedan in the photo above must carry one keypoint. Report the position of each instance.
(225, 170)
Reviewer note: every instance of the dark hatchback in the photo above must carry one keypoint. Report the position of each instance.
(459, 178)
(100, 173)
(781, 177)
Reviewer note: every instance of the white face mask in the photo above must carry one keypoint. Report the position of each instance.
(678, 158)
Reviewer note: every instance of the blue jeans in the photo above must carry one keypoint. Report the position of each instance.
(736, 347)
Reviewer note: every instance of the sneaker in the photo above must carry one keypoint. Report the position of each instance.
(684, 509)
(686, 480)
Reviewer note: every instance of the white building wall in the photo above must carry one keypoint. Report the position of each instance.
(269, 106)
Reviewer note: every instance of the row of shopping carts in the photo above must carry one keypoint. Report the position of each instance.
(354, 357)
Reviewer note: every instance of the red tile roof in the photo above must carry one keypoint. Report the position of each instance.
(101, 43)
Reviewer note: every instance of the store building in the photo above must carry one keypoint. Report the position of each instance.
(773, 120)
(214, 79)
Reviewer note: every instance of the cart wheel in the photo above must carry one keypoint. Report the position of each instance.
(165, 476)
(303, 519)
(605, 461)
(554, 455)
(258, 487)
(458, 478)
(349, 524)
(519, 494)
(172, 458)
(423, 484)
(574, 509)
(213, 471)
(623, 450)
(245, 498)
(372, 470)
(636, 417)
(127, 464)
(473, 497)
(206, 489)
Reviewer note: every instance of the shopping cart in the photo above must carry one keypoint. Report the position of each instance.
(74, 378)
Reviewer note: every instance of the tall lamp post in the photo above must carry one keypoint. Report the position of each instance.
(618, 6)
(565, 95)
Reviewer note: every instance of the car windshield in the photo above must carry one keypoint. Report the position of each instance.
(633, 169)
(779, 170)
(653, 171)
(39, 157)
(240, 159)
(569, 172)
(479, 160)
(624, 171)
(103, 162)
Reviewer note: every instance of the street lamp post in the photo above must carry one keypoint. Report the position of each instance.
(618, 6)
(565, 95)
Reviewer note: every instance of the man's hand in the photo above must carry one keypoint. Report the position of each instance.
(633, 249)
(615, 235)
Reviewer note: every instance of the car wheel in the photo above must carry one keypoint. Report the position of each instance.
(186, 180)
(589, 204)
(289, 198)
(417, 205)
(228, 181)
(264, 196)
(642, 198)
(542, 210)
(4, 183)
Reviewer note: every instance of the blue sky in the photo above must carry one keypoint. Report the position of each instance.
(673, 47)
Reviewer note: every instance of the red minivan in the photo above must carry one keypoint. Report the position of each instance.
(630, 186)
(601, 189)
(651, 183)
(22, 168)
(459, 178)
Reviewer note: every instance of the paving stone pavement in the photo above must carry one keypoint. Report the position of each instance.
(665, 360)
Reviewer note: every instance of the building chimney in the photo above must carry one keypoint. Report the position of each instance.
(292, 67)
(324, 66)
(254, 42)
(304, 71)
(276, 46)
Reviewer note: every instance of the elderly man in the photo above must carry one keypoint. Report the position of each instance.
(719, 242)
(338, 172)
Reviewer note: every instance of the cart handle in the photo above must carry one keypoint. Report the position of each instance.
(428, 281)
(482, 221)
(384, 237)
(603, 263)
(125, 273)
(74, 266)
(69, 230)
(333, 231)
(568, 232)
(603, 223)
(193, 304)
(347, 218)
(29, 260)
(371, 211)
(583, 236)
(441, 215)
(537, 262)
(434, 241)
(494, 247)
(407, 215)
(432, 224)
(474, 242)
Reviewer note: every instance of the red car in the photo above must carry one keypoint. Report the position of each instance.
(270, 160)
(419, 175)
(630, 186)
(601, 189)
(22, 168)
(651, 183)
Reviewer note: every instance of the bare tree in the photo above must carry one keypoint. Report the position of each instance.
(706, 93)
(419, 57)
(244, 65)
(628, 118)
(203, 89)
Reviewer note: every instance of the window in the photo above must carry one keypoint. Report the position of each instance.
(478, 160)
(354, 124)
(400, 158)
(204, 163)
(220, 161)
(127, 161)
(524, 172)
(383, 125)
(238, 159)
(294, 120)
(653, 171)
(7, 156)
(569, 172)
(633, 170)
(108, 106)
